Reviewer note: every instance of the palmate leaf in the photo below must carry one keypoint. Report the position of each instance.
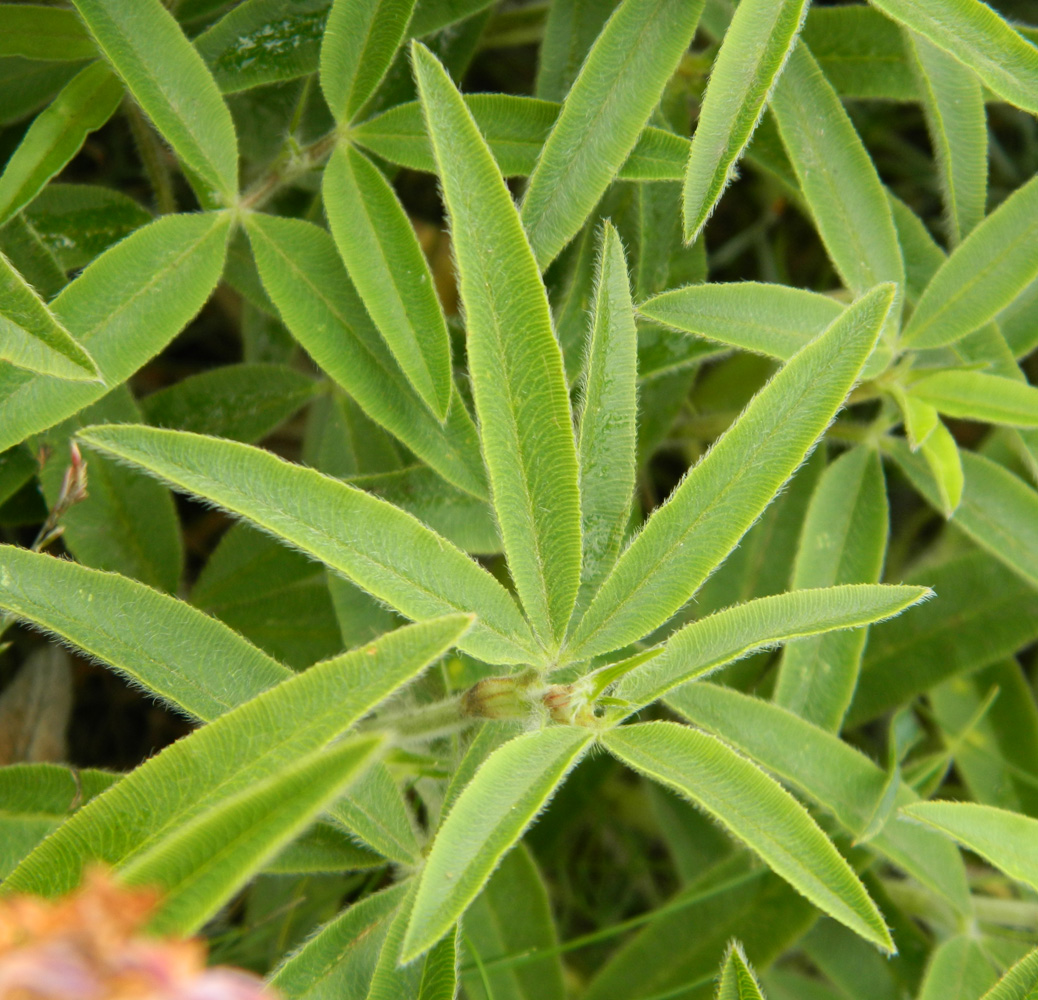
(382, 255)
(737, 979)
(754, 50)
(386, 551)
(123, 309)
(515, 129)
(978, 37)
(606, 445)
(776, 320)
(758, 811)
(86, 102)
(953, 102)
(708, 644)
(605, 110)
(832, 774)
(360, 39)
(1007, 839)
(166, 75)
(304, 275)
(844, 541)
(297, 717)
(837, 177)
(197, 877)
(488, 817)
(982, 275)
(515, 364)
(31, 336)
(704, 518)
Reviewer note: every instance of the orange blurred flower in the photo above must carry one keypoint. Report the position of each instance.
(90, 946)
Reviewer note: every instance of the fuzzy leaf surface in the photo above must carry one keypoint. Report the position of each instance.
(609, 103)
(982, 275)
(491, 814)
(123, 309)
(754, 50)
(201, 864)
(166, 75)
(232, 753)
(758, 811)
(710, 643)
(703, 519)
(518, 381)
(382, 255)
(381, 548)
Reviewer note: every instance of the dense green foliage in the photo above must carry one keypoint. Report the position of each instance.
(528, 500)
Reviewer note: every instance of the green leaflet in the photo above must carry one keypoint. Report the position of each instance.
(1006, 839)
(36, 799)
(128, 522)
(197, 877)
(440, 972)
(30, 335)
(953, 102)
(303, 273)
(984, 613)
(432, 15)
(859, 972)
(512, 916)
(607, 418)
(173, 661)
(844, 541)
(392, 978)
(264, 41)
(384, 550)
(999, 511)
(605, 110)
(710, 643)
(979, 396)
(515, 364)
(515, 128)
(171, 83)
(941, 453)
(489, 816)
(78, 222)
(377, 813)
(295, 718)
(834, 775)
(776, 320)
(701, 522)
(28, 253)
(983, 274)
(274, 596)
(243, 402)
(1019, 982)
(321, 850)
(569, 32)
(123, 309)
(754, 50)
(340, 959)
(360, 40)
(837, 177)
(382, 255)
(977, 36)
(86, 102)
(861, 52)
(755, 809)
(37, 32)
(737, 979)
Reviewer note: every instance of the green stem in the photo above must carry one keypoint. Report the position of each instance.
(422, 722)
(291, 166)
